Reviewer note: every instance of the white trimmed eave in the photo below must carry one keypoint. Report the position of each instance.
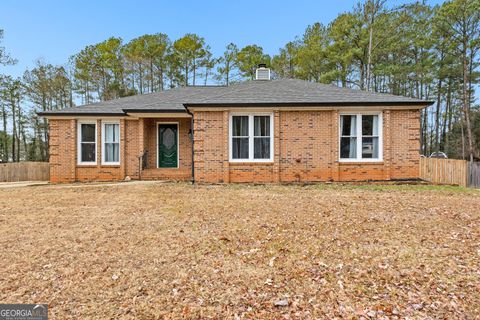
(78, 117)
(159, 115)
(246, 108)
(306, 108)
(129, 116)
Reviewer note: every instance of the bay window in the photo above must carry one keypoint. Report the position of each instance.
(251, 138)
(110, 142)
(360, 137)
(87, 142)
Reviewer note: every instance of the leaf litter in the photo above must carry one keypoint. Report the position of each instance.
(241, 251)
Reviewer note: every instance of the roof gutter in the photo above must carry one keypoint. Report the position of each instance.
(59, 113)
(193, 141)
(85, 114)
(314, 104)
(154, 111)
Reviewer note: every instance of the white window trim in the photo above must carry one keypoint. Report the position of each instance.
(111, 163)
(79, 142)
(360, 137)
(250, 137)
(178, 146)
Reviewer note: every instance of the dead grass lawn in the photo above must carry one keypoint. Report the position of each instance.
(181, 251)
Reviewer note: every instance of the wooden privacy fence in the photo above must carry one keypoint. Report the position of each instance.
(474, 175)
(24, 171)
(450, 171)
(444, 171)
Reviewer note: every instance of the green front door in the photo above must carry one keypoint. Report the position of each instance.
(167, 145)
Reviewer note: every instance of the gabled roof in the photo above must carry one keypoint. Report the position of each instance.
(285, 92)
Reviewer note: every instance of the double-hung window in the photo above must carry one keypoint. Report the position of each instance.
(361, 137)
(110, 142)
(251, 137)
(87, 142)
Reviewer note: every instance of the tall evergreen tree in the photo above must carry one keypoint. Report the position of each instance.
(227, 69)
(189, 50)
(248, 59)
(460, 21)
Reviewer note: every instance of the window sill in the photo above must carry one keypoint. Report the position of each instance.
(87, 165)
(251, 163)
(362, 162)
(108, 165)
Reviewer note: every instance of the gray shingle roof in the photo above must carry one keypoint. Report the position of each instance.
(295, 91)
(167, 101)
(251, 93)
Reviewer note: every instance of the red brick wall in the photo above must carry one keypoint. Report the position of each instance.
(252, 172)
(306, 149)
(405, 141)
(131, 149)
(135, 137)
(306, 145)
(209, 146)
(62, 150)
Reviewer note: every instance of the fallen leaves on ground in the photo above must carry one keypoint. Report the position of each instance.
(241, 251)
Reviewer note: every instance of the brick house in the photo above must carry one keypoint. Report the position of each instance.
(262, 131)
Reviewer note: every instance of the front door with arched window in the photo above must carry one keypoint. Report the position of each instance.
(167, 145)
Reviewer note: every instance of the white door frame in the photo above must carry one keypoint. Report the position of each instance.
(178, 145)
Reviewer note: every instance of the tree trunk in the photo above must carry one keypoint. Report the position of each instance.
(37, 145)
(206, 76)
(446, 115)
(227, 70)
(425, 132)
(160, 79)
(362, 76)
(140, 77)
(463, 137)
(151, 75)
(87, 93)
(14, 124)
(431, 141)
(369, 55)
(186, 73)
(437, 116)
(194, 69)
(44, 130)
(5, 136)
(21, 133)
(466, 103)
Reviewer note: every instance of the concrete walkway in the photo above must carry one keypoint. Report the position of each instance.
(75, 185)
(105, 184)
(22, 184)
